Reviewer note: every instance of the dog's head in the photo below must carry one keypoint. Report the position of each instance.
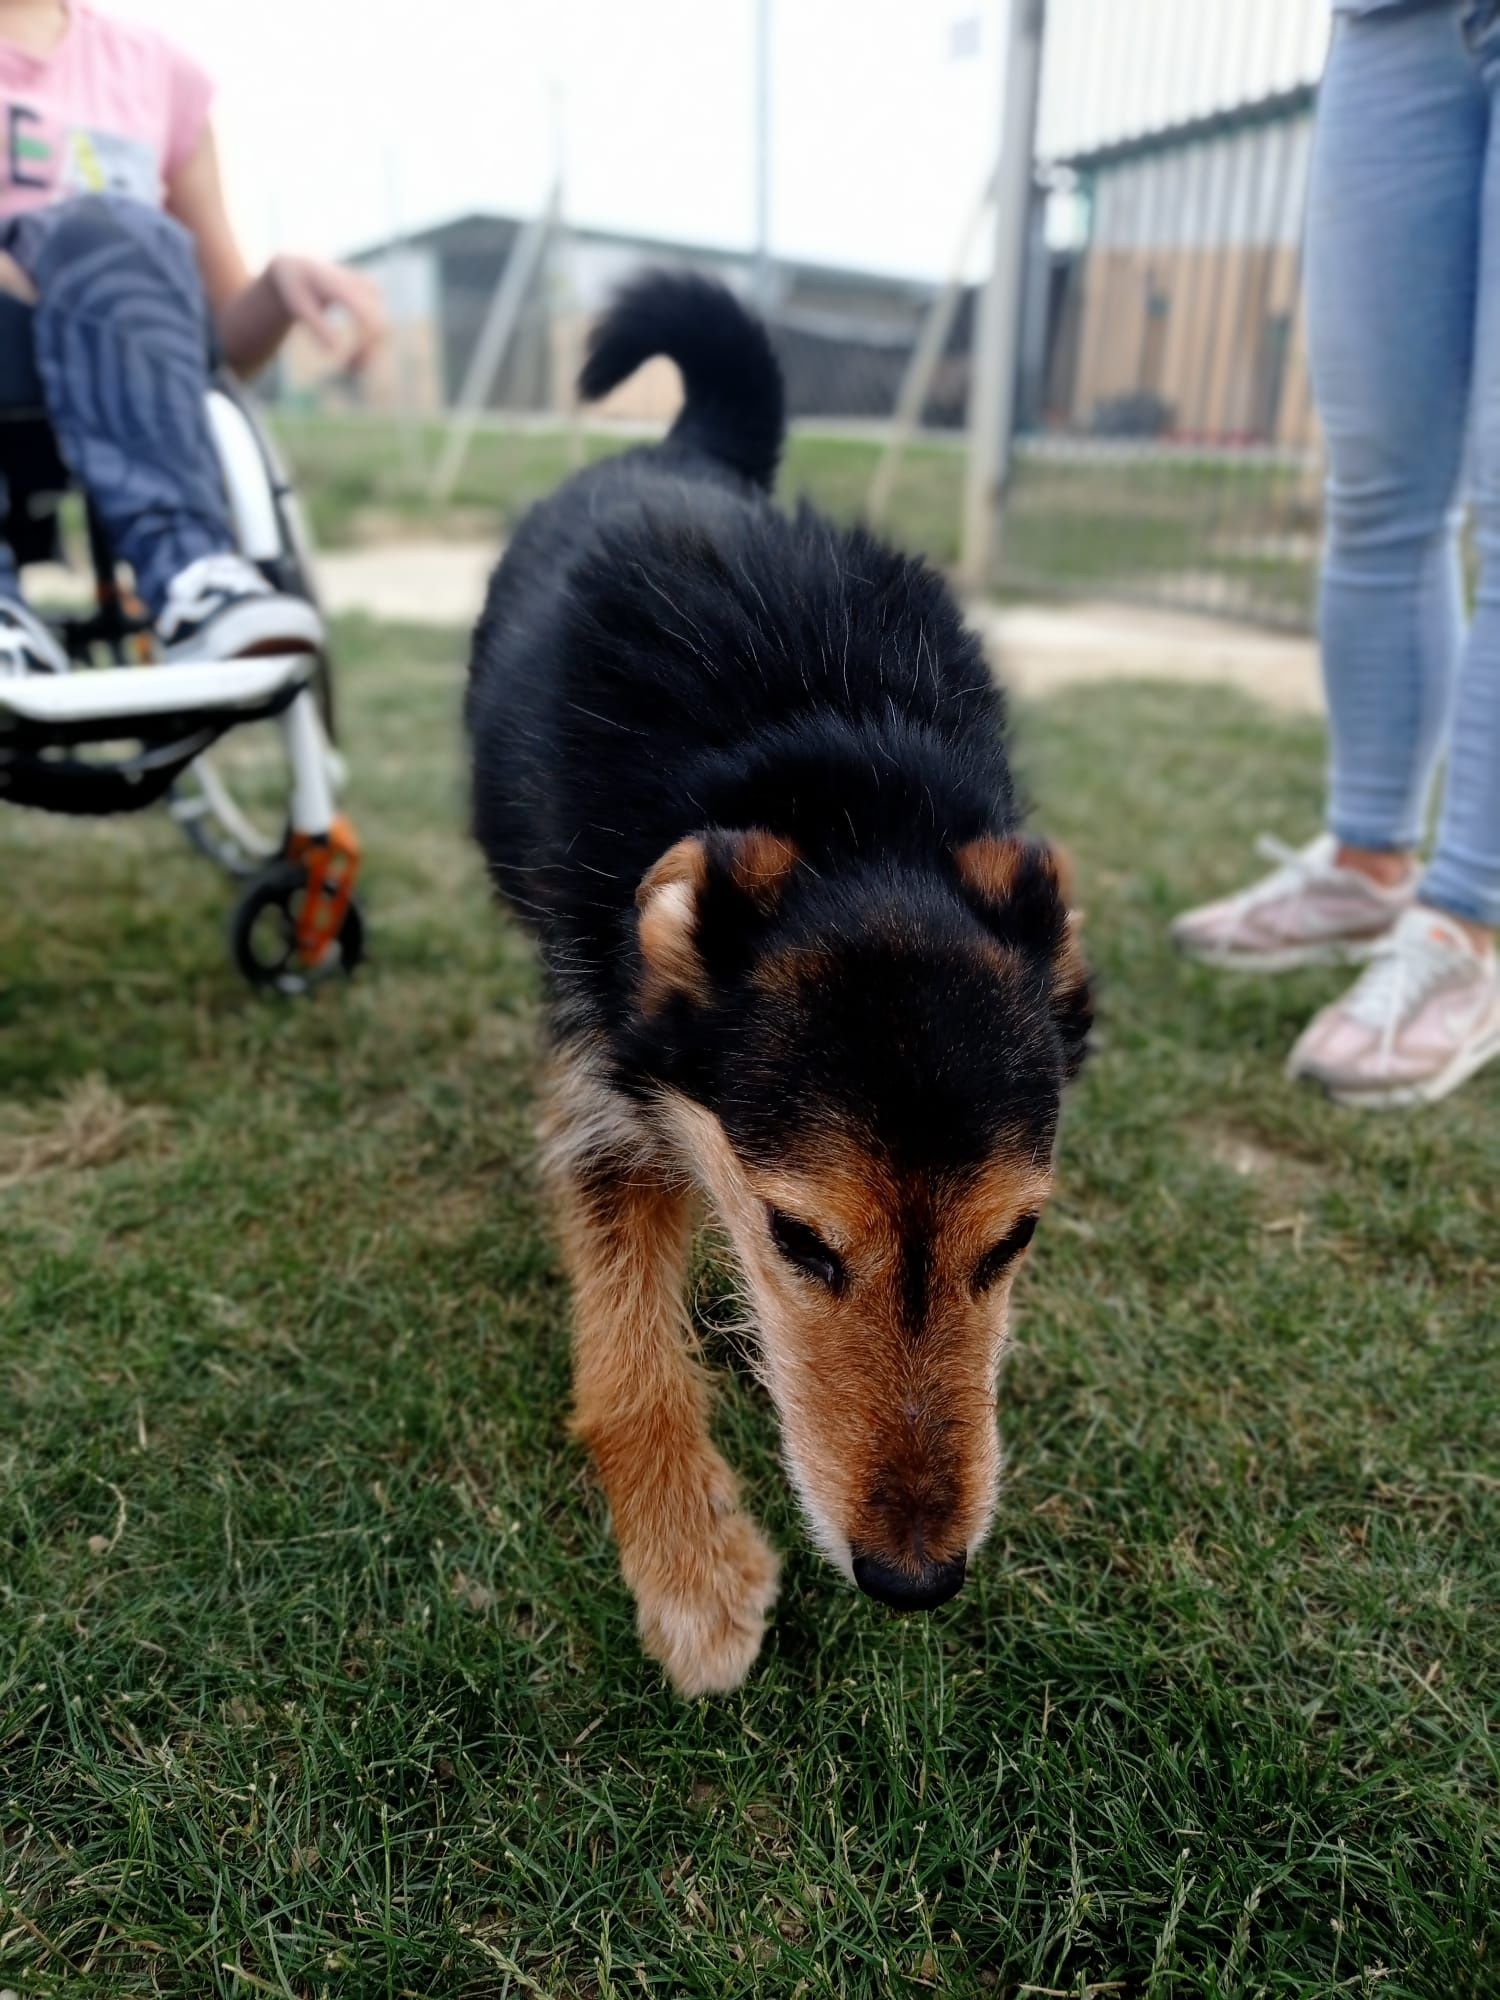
(866, 1072)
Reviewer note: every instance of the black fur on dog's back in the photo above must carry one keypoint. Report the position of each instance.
(664, 653)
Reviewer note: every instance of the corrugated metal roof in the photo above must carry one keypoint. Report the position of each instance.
(479, 229)
(1248, 117)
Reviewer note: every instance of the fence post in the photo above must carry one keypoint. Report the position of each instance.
(495, 335)
(932, 345)
(992, 398)
(764, 297)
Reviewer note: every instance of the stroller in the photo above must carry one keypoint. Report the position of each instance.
(122, 732)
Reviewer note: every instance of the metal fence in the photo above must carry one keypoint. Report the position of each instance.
(1168, 447)
(1163, 444)
(1148, 319)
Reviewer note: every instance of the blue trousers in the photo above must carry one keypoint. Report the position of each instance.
(122, 350)
(1403, 283)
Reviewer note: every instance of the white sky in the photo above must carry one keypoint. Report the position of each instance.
(343, 120)
(340, 119)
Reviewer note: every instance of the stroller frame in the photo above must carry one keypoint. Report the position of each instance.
(122, 731)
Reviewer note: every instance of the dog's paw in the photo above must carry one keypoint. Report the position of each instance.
(703, 1615)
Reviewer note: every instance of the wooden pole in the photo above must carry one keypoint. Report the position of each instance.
(526, 258)
(932, 344)
(992, 402)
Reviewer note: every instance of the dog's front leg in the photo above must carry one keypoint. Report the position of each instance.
(701, 1571)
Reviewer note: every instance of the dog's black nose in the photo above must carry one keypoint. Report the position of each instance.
(921, 1587)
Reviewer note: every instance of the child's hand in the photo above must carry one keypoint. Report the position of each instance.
(310, 291)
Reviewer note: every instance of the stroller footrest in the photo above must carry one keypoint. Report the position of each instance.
(104, 701)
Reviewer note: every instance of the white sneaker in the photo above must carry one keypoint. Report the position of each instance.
(1309, 911)
(1422, 1018)
(27, 644)
(222, 608)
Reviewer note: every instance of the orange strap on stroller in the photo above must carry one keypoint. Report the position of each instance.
(332, 864)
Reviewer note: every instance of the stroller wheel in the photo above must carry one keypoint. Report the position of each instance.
(269, 925)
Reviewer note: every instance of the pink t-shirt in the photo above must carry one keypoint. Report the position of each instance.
(115, 109)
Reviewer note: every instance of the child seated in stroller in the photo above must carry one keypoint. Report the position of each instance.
(113, 228)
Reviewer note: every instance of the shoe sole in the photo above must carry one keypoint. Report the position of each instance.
(253, 630)
(1410, 1096)
(1294, 958)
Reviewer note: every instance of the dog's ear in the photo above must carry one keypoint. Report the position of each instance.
(1022, 890)
(700, 908)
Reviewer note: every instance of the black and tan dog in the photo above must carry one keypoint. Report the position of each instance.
(744, 775)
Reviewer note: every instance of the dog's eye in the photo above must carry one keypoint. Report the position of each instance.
(805, 1250)
(994, 1263)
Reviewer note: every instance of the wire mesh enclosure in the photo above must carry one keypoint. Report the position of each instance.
(1168, 447)
(1165, 444)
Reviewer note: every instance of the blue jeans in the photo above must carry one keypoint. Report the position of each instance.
(122, 349)
(1403, 281)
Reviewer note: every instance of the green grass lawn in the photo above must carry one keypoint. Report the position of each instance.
(1217, 535)
(359, 481)
(316, 1676)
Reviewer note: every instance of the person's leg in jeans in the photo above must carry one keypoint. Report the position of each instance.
(1392, 283)
(1397, 370)
(122, 349)
(1392, 277)
(1464, 875)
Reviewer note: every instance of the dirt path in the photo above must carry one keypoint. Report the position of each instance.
(1039, 647)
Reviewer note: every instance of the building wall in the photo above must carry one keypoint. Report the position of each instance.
(844, 337)
(1188, 294)
(406, 373)
(1246, 186)
(1214, 335)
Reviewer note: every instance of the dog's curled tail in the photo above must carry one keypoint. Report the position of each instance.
(736, 406)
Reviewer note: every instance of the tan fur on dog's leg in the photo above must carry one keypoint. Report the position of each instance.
(703, 1576)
